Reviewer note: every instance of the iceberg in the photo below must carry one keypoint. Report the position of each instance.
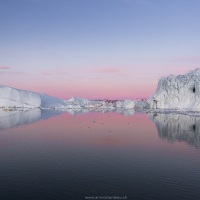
(103, 104)
(180, 92)
(126, 104)
(77, 103)
(16, 98)
(51, 102)
(11, 97)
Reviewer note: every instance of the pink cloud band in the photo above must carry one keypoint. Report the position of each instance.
(4, 67)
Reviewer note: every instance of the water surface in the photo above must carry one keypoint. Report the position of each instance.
(140, 156)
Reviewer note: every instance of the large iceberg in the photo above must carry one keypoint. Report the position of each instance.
(11, 97)
(51, 102)
(180, 92)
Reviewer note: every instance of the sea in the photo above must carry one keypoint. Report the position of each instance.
(55, 155)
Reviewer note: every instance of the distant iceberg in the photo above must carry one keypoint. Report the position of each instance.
(103, 104)
(15, 98)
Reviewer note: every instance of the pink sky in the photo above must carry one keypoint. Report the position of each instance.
(92, 83)
(114, 49)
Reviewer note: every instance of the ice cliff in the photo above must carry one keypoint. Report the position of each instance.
(180, 92)
(11, 97)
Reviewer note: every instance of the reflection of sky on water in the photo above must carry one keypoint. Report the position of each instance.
(97, 154)
(96, 130)
(22, 117)
(109, 125)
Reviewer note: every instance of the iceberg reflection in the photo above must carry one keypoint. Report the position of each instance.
(23, 117)
(16, 118)
(177, 127)
(78, 111)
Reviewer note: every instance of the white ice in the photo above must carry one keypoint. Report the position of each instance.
(11, 97)
(180, 92)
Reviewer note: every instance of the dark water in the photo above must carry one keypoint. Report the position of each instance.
(101, 156)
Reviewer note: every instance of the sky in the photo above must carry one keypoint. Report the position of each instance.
(97, 49)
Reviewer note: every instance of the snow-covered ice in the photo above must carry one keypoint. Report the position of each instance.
(103, 104)
(177, 92)
(76, 106)
(10, 97)
(127, 104)
(51, 102)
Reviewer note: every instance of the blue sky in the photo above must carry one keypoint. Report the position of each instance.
(97, 48)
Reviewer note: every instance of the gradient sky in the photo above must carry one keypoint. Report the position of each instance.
(115, 49)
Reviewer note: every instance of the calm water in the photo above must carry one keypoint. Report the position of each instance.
(141, 156)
